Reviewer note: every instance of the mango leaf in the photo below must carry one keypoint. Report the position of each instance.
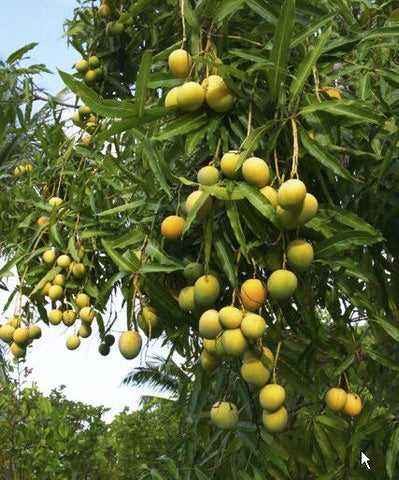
(260, 7)
(110, 108)
(225, 8)
(18, 54)
(184, 124)
(344, 365)
(281, 42)
(194, 211)
(261, 204)
(154, 250)
(392, 329)
(226, 259)
(320, 153)
(123, 264)
(349, 219)
(346, 108)
(305, 67)
(234, 217)
(142, 81)
(343, 241)
(382, 359)
(302, 35)
(47, 278)
(122, 208)
(392, 454)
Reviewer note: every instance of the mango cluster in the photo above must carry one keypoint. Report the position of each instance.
(90, 69)
(192, 95)
(18, 336)
(340, 401)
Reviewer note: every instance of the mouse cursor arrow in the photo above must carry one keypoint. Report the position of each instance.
(364, 460)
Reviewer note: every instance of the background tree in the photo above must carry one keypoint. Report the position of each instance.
(315, 88)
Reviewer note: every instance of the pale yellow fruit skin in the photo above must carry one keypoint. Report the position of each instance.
(17, 350)
(49, 257)
(255, 171)
(281, 284)
(86, 314)
(186, 299)
(217, 95)
(253, 294)
(21, 336)
(190, 96)
(130, 344)
(224, 415)
(288, 219)
(209, 361)
(55, 292)
(78, 270)
(171, 97)
(206, 290)
(300, 254)
(6, 333)
(253, 326)
(82, 66)
(271, 194)
(63, 261)
(336, 399)
(192, 200)
(353, 405)
(210, 345)
(234, 342)
(208, 175)
(15, 321)
(72, 342)
(228, 164)
(231, 317)
(55, 201)
(275, 422)
(209, 324)
(209, 80)
(265, 351)
(254, 372)
(35, 332)
(291, 193)
(59, 280)
(82, 300)
(68, 317)
(84, 331)
(45, 289)
(272, 397)
(55, 316)
(149, 322)
(172, 227)
(308, 209)
(180, 63)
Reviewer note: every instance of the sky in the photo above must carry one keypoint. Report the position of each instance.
(88, 377)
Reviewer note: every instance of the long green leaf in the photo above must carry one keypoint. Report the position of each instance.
(382, 359)
(123, 264)
(226, 259)
(142, 81)
(392, 329)
(225, 8)
(281, 42)
(346, 108)
(343, 241)
(184, 124)
(321, 154)
(18, 54)
(305, 67)
(261, 204)
(392, 454)
(110, 108)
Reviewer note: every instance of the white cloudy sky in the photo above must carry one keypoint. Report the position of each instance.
(88, 377)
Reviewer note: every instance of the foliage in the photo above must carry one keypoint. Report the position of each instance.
(316, 94)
